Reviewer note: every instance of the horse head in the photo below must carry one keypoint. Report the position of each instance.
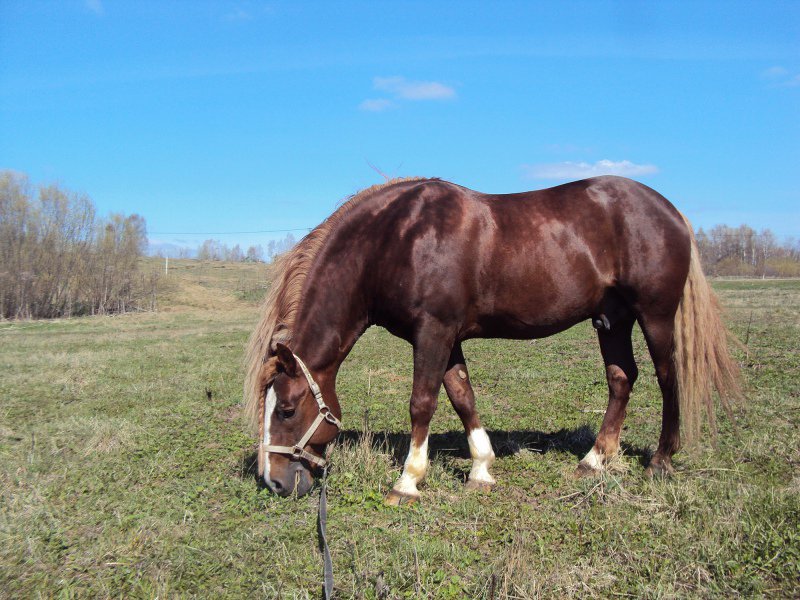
(298, 425)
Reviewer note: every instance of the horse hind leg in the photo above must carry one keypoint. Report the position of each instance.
(659, 336)
(621, 374)
(459, 391)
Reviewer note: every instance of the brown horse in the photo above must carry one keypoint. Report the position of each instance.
(435, 264)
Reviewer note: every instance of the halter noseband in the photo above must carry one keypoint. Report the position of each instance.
(298, 450)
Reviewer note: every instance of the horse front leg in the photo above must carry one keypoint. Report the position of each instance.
(430, 362)
(459, 391)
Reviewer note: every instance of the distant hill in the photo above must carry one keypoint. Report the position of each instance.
(208, 285)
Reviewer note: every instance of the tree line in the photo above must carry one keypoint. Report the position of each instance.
(742, 251)
(215, 250)
(58, 258)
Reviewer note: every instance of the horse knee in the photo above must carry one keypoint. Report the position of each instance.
(422, 409)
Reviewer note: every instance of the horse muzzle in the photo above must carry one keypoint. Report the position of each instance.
(294, 479)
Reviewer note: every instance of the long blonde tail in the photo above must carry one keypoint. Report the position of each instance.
(702, 360)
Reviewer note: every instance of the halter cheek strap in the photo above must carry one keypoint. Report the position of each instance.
(298, 451)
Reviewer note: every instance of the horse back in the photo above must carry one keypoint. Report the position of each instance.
(518, 265)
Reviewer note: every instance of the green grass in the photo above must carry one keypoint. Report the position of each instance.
(126, 471)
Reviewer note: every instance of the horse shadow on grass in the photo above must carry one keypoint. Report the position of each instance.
(453, 445)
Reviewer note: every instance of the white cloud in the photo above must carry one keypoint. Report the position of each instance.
(401, 87)
(773, 72)
(96, 6)
(238, 14)
(376, 104)
(793, 81)
(580, 170)
(781, 77)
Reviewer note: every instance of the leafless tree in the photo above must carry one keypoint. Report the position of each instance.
(743, 251)
(58, 259)
(255, 254)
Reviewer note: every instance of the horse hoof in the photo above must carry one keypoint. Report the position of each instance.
(659, 470)
(395, 498)
(584, 470)
(473, 485)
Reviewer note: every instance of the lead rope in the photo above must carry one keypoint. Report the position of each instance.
(298, 451)
(327, 563)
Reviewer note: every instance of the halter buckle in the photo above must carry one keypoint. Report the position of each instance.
(329, 416)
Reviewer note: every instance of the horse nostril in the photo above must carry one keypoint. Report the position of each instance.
(278, 488)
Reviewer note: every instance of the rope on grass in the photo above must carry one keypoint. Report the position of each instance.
(322, 521)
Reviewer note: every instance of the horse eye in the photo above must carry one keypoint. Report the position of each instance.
(286, 414)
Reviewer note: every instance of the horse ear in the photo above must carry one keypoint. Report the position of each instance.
(286, 360)
(281, 335)
(267, 374)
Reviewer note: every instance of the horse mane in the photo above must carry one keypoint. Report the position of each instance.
(283, 300)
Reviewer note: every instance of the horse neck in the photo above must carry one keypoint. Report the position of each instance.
(328, 323)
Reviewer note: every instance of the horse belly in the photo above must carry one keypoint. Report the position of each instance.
(529, 321)
(534, 299)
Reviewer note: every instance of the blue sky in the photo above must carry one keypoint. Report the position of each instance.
(211, 117)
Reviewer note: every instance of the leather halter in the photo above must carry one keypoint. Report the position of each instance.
(298, 451)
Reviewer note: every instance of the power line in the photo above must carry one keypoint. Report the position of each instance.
(228, 232)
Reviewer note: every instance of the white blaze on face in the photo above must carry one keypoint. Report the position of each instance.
(414, 469)
(269, 408)
(482, 456)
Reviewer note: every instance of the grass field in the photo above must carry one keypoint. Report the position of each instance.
(126, 470)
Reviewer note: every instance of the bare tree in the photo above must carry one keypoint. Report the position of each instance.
(255, 254)
(58, 259)
(741, 251)
(235, 254)
(210, 250)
